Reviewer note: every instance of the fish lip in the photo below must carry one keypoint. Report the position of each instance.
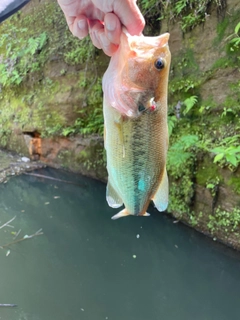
(165, 35)
(161, 40)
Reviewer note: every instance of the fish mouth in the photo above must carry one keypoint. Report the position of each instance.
(160, 40)
(148, 107)
(141, 43)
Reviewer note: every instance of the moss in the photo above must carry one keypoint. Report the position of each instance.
(232, 100)
(180, 195)
(208, 171)
(225, 32)
(35, 102)
(234, 182)
(221, 30)
(91, 159)
(221, 63)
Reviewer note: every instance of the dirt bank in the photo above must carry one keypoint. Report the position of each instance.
(12, 164)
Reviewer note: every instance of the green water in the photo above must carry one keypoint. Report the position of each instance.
(87, 267)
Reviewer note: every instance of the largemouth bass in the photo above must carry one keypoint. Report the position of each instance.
(135, 119)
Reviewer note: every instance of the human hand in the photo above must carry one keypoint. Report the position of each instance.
(103, 20)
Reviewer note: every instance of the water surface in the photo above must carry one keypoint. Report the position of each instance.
(88, 267)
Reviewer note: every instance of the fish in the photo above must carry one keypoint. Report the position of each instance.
(135, 124)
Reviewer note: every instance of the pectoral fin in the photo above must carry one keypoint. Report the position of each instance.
(113, 198)
(160, 198)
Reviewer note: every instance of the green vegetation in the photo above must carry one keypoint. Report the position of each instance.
(224, 221)
(208, 173)
(234, 182)
(190, 13)
(234, 39)
(228, 151)
(180, 166)
(204, 137)
(27, 48)
(20, 59)
(91, 117)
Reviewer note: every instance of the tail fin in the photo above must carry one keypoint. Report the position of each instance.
(125, 213)
(122, 213)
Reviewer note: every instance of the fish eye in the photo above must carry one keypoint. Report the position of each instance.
(159, 64)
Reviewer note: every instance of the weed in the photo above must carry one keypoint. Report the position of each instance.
(189, 104)
(224, 220)
(234, 43)
(228, 152)
(190, 12)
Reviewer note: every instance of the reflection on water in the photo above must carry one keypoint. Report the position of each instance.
(88, 267)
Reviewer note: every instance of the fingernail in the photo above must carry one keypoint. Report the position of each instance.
(111, 25)
(82, 24)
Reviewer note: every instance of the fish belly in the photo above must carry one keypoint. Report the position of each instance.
(136, 156)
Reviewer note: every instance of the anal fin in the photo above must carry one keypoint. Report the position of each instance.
(160, 198)
(113, 198)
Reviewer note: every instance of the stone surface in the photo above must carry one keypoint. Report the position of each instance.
(12, 164)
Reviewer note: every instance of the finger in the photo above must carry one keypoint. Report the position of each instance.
(99, 38)
(112, 28)
(78, 26)
(94, 28)
(130, 16)
(108, 47)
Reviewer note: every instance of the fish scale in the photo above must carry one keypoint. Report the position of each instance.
(140, 158)
(125, 171)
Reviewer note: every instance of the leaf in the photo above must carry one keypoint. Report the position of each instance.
(42, 39)
(171, 124)
(210, 186)
(218, 150)
(32, 46)
(237, 28)
(218, 157)
(188, 141)
(232, 159)
(189, 103)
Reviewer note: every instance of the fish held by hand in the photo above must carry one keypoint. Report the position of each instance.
(135, 118)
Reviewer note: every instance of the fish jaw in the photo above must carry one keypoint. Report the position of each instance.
(131, 79)
(125, 213)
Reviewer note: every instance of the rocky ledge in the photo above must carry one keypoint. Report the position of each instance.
(12, 164)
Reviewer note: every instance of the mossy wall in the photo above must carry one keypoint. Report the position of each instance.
(48, 77)
(204, 121)
(51, 84)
